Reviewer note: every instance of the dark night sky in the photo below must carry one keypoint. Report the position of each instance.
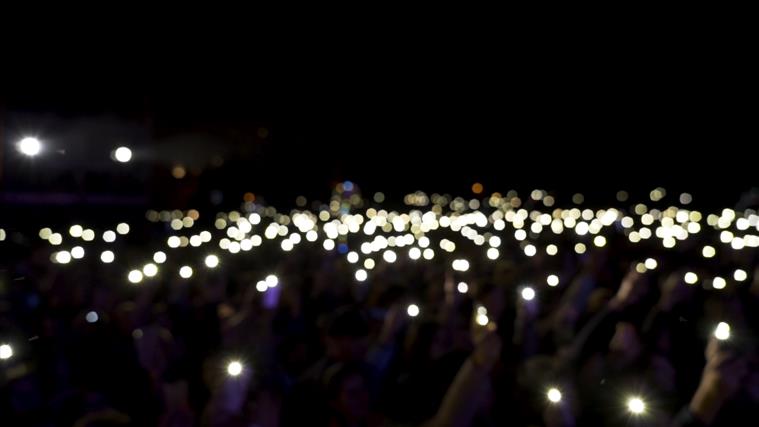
(587, 126)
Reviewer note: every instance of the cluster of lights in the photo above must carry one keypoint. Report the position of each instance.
(384, 232)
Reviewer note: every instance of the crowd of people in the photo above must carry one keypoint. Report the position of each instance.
(416, 344)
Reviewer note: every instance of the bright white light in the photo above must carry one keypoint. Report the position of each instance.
(159, 257)
(493, 253)
(650, 263)
(55, 239)
(109, 236)
(91, 317)
(460, 265)
(29, 146)
(428, 254)
(462, 287)
(122, 154)
(412, 310)
(6, 352)
(135, 276)
(88, 235)
(554, 395)
(234, 368)
(150, 270)
(107, 257)
(76, 231)
(552, 249)
(636, 405)
(389, 256)
(553, 280)
(599, 241)
(185, 272)
(414, 253)
(311, 236)
(708, 251)
(173, 242)
(361, 275)
(719, 283)
(482, 319)
(63, 257)
(691, 278)
(528, 294)
(530, 250)
(329, 244)
(77, 252)
(261, 286)
(212, 261)
(722, 332)
(122, 228)
(271, 281)
(352, 257)
(740, 275)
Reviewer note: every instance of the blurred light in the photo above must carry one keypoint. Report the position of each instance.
(640, 267)
(352, 257)
(88, 235)
(159, 257)
(6, 352)
(722, 332)
(428, 254)
(599, 241)
(412, 310)
(135, 276)
(389, 256)
(45, 233)
(185, 272)
(686, 198)
(329, 244)
(150, 270)
(109, 236)
(29, 146)
(553, 280)
(173, 241)
(178, 172)
(77, 252)
(271, 281)
(63, 257)
(651, 263)
(740, 275)
(462, 287)
(91, 317)
(528, 294)
(552, 249)
(708, 251)
(719, 283)
(414, 253)
(55, 239)
(234, 368)
(580, 248)
(122, 154)
(261, 286)
(122, 228)
(76, 231)
(107, 257)
(530, 250)
(493, 253)
(311, 236)
(477, 188)
(361, 275)
(554, 395)
(636, 405)
(690, 278)
(460, 265)
(369, 263)
(482, 319)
